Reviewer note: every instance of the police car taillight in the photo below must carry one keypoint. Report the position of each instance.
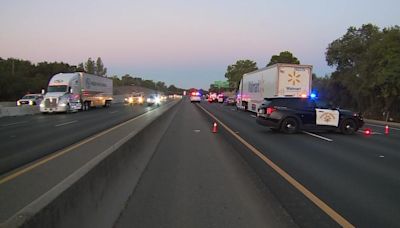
(270, 110)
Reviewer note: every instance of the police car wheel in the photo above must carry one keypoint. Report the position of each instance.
(289, 126)
(348, 127)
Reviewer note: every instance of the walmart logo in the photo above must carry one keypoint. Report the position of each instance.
(294, 78)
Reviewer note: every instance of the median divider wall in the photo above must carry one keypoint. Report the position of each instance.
(95, 194)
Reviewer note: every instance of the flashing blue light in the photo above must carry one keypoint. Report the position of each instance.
(313, 95)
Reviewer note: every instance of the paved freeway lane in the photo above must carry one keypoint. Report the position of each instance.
(358, 175)
(196, 179)
(26, 138)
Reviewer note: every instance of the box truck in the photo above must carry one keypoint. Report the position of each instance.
(76, 91)
(279, 80)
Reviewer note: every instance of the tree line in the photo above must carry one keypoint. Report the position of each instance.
(366, 76)
(19, 77)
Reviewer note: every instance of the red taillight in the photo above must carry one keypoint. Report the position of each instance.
(270, 110)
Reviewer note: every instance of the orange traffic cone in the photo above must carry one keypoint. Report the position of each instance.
(386, 129)
(214, 130)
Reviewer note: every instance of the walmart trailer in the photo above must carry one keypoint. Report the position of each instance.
(279, 80)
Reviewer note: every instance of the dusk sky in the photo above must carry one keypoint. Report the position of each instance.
(186, 43)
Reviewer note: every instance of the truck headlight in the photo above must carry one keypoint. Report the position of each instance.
(140, 99)
(131, 100)
(18, 103)
(30, 102)
(157, 100)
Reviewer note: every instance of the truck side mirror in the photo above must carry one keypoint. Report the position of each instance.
(43, 91)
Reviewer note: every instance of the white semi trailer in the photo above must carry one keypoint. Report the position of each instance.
(279, 80)
(76, 91)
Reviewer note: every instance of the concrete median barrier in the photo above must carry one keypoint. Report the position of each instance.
(19, 111)
(95, 194)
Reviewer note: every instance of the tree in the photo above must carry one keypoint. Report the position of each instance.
(100, 69)
(367, 62)
(90, 66)
(234, 72)
(283, 57)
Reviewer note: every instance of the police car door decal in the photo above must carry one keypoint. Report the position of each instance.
(327, 117)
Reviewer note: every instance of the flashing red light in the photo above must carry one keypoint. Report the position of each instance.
(367, 131)
(270, 110)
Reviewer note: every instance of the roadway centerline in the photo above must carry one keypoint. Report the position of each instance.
(10, 124)
(62, 124)
(317, 136)
(375, 125)
(307, 193)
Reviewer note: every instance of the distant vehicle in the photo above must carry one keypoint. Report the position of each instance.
(76, 91)
(230, 101)
(30, 99)
(212, 97)
(290, 115)
(135, 98)
(279, 80)
(153, 99)
(220, 98)
(195, 96)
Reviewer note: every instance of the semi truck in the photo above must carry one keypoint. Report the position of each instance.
(76, 91)
(278, 80)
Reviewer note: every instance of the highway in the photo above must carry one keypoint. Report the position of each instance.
(24, 139)
(358, 176)
(244, 175)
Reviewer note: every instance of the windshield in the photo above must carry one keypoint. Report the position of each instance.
(28, 97)
(59, 88)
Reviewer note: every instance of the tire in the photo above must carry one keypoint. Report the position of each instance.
(348, 127)
(289, 125)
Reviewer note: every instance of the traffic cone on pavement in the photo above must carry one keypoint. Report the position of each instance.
(386, 129)
(214, 130)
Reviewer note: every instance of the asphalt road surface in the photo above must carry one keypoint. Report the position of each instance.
(358, 176)
(24, 139)
(197, 179)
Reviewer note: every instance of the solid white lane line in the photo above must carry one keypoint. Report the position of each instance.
(59, 125)
(10, 124)
(317, 136)
(390, 128)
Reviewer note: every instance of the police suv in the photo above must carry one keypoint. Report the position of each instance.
(291, 114)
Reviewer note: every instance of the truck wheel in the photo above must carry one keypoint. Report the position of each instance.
(348, 127)
(289, 125)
